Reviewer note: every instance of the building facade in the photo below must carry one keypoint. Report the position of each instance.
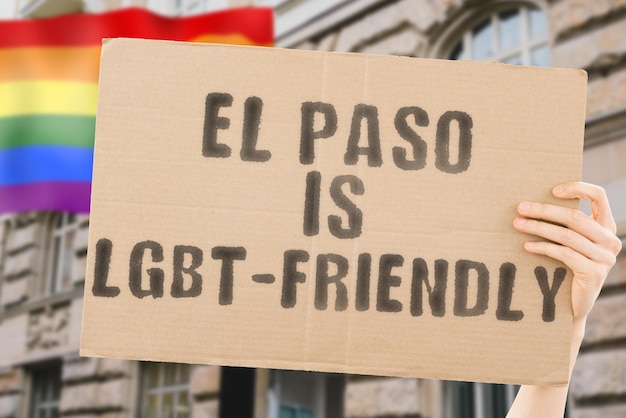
(42, 255)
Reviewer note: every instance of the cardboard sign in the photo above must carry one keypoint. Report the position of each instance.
(333, 212)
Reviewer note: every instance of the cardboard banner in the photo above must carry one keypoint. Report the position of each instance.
(334, 212)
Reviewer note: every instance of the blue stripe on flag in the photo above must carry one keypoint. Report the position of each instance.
(45, 163)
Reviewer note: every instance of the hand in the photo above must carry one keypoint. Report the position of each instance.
(586, 244)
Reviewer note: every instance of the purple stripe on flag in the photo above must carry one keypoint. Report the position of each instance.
(54, 195)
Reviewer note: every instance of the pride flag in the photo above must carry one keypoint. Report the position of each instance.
(48, 94)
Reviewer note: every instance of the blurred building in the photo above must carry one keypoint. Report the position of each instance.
(42, 255)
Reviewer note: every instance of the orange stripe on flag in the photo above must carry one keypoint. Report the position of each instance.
(235, 39)
(69, 64)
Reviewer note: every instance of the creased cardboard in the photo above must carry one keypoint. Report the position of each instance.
(333, 212)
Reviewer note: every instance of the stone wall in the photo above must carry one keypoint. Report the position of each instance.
(93, 387)
(383, 397)
(11, 388)
(598, 48)
(205, 387)
(52, 320)
(21, 252)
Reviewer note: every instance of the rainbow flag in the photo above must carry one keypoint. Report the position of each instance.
(49, 87)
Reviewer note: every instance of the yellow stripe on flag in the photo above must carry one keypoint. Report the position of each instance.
(48, 97)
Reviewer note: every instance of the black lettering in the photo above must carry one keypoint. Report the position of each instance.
(386, 281)
(263, 278)
(505, 294)
(213, 122)
(372, 151)
(178, 288)
(104, 248)
(462, 270)
(436, 294)
(135, 270)
(363, 282)
(228, 255)
(549, 293)
(291, 276)
(442, 145)
(355, 216)
(252, 109)
(323, 279)
(311, 224)
(307, 130)
(408, 134)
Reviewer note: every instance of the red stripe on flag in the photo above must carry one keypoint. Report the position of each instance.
(255, 24)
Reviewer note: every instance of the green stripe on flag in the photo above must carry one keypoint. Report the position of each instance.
(17, 131)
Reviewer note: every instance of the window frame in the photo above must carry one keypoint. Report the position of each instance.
(460, 26)
(160, 390)
(523, 49)
(480, 401)
(5, 224)
(58, 225)
(45, 376)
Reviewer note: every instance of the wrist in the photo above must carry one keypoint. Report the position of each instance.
(578, 331)
(576, 339)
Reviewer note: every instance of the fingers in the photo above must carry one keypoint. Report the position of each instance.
(600, 208)
(574, 238)
(567, 238)
(572, 219)
(584, 268)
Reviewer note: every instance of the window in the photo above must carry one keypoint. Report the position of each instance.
(298, 394)
(271, 3)
(61, 256)
(4, 227)
(513, 36)
(45, 392)
(477, 400)
(165, 390)
(294, 412)
(192, 7)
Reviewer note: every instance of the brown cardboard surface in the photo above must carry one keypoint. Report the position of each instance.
(245, 282)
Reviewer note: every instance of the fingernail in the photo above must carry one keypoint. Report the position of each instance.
(529, 244)
(524, 206)
(558, 190)
(520, 221)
